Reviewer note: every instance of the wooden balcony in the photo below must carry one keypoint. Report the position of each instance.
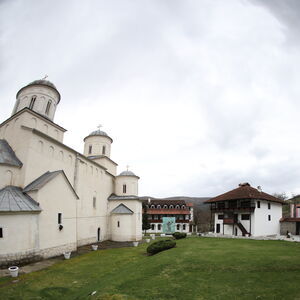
(228, 221)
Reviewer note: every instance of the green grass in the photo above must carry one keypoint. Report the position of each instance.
(198, 268)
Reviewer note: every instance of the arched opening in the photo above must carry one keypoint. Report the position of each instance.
(124, 188)
(98, 234)
(103, 150)
(32, 101)
(48, 107)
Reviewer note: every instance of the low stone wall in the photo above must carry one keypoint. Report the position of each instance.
(287, 226)
(86, 241)
(26, 257)
(56, 251)
(20, 258)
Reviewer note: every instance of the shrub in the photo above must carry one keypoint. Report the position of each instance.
(160, 246)
(179, 235)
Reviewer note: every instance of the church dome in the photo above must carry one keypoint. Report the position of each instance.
(99, 133)
(127, 173)
(41, 82)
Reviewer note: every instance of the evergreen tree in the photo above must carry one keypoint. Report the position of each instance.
(146, 223)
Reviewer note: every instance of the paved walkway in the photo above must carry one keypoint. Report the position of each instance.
(32, 267)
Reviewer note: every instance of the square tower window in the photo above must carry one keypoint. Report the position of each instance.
(118, 223)
(269, 217)
(258, 204)
(1, 232)
(269, 205)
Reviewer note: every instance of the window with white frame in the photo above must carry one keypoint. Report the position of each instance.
(178, 226)
(183, 226)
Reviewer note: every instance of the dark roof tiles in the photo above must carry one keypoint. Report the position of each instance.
(8, 156)
(13, 199)
(244, 191)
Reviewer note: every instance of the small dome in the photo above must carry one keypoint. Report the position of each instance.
(127, 173)
(41, 82)
(99, 133)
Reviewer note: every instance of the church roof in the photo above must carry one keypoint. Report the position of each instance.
(128, 173)
(122, 209)
(244, 191)
(99, 133)
(8, 156)
(41, 82)
(127, 197)
(44, 179)
(13, 199)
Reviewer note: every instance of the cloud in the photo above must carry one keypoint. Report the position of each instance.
(197, 95)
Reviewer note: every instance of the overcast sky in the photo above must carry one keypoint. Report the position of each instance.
(198, 95)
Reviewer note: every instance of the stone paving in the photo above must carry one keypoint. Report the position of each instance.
(32, 267)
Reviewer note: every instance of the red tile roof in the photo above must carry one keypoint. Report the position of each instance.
(244, 191)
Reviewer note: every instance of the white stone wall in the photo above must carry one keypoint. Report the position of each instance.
(56, 197)
(262, 226)
(19, 233)
(97, 142)
(131, 183)
(130, 224)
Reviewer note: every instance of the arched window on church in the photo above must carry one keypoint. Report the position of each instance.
(158, 207)
(183, 207)
(171, 206)
(166, 206)
(124, 188)
(103, 150)
(152, 206)
(90, 149)
(177, 207)
(32, 101)
(48, 107)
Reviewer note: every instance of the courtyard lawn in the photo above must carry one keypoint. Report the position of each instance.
(198, 268)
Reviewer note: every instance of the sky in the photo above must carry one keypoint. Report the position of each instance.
(198, 95)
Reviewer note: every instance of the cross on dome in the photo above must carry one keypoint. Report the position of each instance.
(127, 167)
(46, 76)
(99, 126)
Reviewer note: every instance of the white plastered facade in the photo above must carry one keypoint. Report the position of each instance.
(80, 193)
(264, 220)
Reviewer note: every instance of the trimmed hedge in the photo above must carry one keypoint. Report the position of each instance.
(179, 235)
(160, 246)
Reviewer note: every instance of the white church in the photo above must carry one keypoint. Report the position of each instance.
(53, 198)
